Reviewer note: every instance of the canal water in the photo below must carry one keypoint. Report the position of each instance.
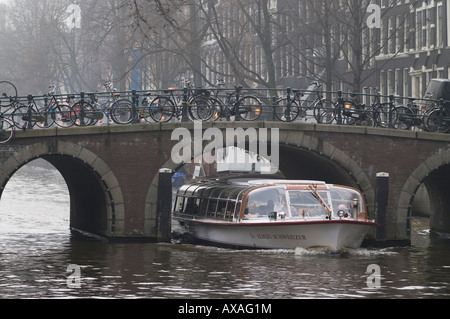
(39, 258)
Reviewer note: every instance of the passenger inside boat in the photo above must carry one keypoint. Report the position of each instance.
(281, 206)
(252, 211)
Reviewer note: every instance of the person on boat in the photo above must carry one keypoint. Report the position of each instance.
(315, 211)
(252, 211)
(281, 206)
(269, 207)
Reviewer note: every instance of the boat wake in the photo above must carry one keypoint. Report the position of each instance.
(346, 252)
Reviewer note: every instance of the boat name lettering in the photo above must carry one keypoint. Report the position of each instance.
(278, 236)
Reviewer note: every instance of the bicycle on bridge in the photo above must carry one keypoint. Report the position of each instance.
(219, 103)
(8, 96)
(289, 108)
(198, 104)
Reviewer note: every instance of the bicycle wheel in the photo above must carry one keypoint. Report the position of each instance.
(8, 93)
(122, 112)
(250, 108)
(21, 116)
(438, 121)
(324, 111)
(425, 116)
(48, 117)
(6, 130)
(63, 115)
(80, 114)
(381, 115)
(283, 114)
(403, 118)
(366, 119)
(161, 109)
(201, 108)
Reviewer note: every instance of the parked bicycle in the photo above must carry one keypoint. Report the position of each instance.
(52, 112)
(410, 115)
(354, 113)
(7, 129)
(90, 111)
(382, 113)
(438, 118)
(170, 105)
(8, 93)
(9, 99)
(321, 108)
(288, 108)
(224, 104)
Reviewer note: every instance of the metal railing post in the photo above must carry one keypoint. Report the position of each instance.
(339, 107)
(288, 105)
(45, 108)
(29, 115)
(135, 102)
(82, 112)
(391, 109)
(274, 107)
(237, 115)
(184, 111)
(441, 115)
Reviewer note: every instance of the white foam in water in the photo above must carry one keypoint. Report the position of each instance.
(358, 252)
(299, 251)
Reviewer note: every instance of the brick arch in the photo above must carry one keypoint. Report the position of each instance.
(297, 140)
(335, 157)
(434, 172)
(66, 157)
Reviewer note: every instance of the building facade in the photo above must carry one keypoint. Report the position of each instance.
(419, 51)
(309, 42)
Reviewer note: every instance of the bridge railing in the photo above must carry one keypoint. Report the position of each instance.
(314, 105)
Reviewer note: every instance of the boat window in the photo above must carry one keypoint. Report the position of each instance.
(216, 192)
(305, 203)
(191, 207)
(263, 201)
(226, 192)
(199, 191)
(207, 192)
(202, 206)
(221, 209)
(348, 200)
(237, 209)
(212, 208)
(219, 200)
(179, 204)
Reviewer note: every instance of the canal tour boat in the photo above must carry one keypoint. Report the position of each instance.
(272, 214)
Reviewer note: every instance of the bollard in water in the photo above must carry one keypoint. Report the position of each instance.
(164, 207)
(381, 203)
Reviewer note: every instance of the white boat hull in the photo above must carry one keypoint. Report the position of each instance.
(334, 235)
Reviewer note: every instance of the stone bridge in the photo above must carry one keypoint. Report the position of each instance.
(112, 172)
